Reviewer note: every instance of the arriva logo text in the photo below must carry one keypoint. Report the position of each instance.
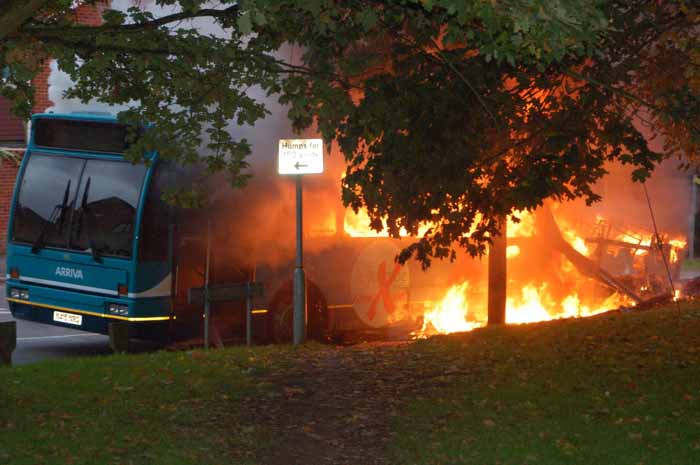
(69, 272)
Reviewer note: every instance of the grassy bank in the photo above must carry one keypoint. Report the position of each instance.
(613, 389)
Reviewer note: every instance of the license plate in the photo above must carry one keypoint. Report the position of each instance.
(69, 318)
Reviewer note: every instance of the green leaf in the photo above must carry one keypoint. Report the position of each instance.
(245, 25)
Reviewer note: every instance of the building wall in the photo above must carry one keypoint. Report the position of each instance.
(8, 173)
(12, 128)
(41, 89)
(9, 168)
(91, 15)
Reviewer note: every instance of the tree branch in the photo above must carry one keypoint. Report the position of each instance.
(16, 13)
(49, 30)
(629, 96)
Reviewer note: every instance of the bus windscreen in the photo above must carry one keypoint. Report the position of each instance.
(84, 205)
(89, 136)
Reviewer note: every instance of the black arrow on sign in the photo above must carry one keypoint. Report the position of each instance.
(298, 165)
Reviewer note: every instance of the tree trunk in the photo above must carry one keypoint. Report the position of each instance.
(498, 277)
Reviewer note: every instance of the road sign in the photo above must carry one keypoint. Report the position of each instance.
(300, 156)
(225, 292)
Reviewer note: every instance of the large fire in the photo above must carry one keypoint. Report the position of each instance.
(534, 301)
(564, 292)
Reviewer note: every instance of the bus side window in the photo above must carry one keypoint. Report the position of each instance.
(153, 242)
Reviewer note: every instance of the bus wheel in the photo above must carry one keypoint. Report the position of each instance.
(283, 323)
(282, 318)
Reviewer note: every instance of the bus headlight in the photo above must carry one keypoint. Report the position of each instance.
(118, 309)
(21, 294)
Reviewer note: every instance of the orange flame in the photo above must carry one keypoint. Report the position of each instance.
(358, 225)
(572, 237)
(512, 251)
(523, 228)
(449, 315)
(534, 303)
(676, 246)
(529, 308)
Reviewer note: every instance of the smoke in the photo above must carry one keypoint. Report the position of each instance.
(259, 220)
(625, 203)
(59, 82)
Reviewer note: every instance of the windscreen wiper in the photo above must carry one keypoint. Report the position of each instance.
(79, 226)
(60, 209)
(83, 208)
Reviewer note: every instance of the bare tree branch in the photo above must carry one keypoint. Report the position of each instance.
(39, 30)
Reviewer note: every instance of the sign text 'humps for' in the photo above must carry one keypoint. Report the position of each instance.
(300, 156)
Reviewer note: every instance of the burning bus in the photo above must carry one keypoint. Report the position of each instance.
(91, 243)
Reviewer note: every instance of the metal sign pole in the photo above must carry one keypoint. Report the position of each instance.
(248, 315)
(693, 211)
(298, 157)
(206, 288)
(299, 277)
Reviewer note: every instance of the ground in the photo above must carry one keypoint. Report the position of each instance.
(334, 405)
(621, 388)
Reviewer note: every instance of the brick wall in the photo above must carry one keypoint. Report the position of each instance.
(86, 14)
(11, 127)
(91, 15)
(8, 173)
(41, 90)
(8, 169)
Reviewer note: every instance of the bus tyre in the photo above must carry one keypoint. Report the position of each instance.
(282, 323)
(282, 314)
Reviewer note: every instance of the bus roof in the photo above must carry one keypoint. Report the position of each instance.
(78, 116)
(92, 119)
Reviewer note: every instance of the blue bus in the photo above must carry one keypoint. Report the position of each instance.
(88, 236)
(92, 243)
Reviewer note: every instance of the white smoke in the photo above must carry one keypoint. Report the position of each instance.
(263, 136)
(59, 82)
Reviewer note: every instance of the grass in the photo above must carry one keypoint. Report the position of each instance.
(613, 389)
(692, 264)
(161, 408)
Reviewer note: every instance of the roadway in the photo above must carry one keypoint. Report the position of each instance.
(37, 342)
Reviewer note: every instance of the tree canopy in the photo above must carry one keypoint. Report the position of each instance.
(452, 114)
